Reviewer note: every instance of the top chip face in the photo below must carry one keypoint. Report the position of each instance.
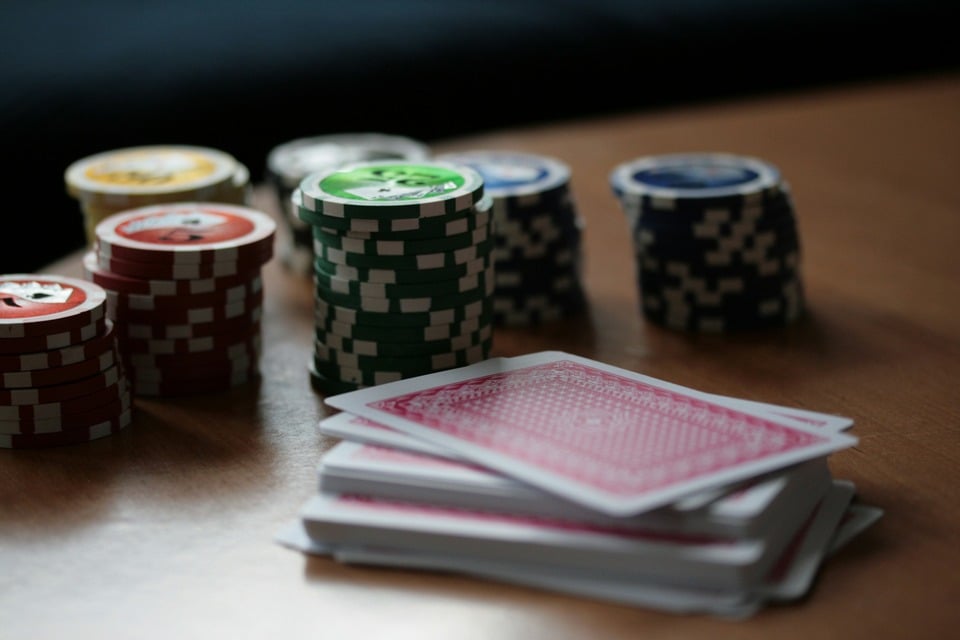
(694, 176)
(149, 170)
(185, 232)
(294, 160)
(39, 305)
(403, 188)
(509, 173)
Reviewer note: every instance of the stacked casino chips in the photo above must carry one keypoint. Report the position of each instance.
(537, 235)
(716, 241)
(62, 378)
(403, 270)
(289, 163)
(121, 179)
(184, 290)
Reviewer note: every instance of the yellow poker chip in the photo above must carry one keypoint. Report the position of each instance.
(141, 175)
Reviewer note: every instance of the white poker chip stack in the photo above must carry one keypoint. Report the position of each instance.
(292, 161)
(185, 293)
(63, 381)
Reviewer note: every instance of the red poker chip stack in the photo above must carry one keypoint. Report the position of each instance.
(63, 381)
(184, 291)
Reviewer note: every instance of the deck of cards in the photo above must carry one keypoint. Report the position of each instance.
(562, 473)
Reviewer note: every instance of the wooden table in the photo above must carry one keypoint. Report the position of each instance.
(165, 530)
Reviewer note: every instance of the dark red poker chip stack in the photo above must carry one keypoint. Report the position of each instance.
(63, 381)
(184, 291)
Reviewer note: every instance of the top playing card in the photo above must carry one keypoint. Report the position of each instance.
(610, 439)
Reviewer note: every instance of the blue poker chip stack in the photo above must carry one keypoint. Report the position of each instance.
(537, 236)
(716, 241)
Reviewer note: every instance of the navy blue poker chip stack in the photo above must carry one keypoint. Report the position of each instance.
(715, 239)
(537, 236)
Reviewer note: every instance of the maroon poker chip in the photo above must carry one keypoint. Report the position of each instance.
(59, 375)
(61, 392)
(172, 331)
(150, 270)
(73, 420)
(177, 373)
(53, 341)
(141, 286)
(40, 306)
(187, 233)
(247, 349)
(60, 357)
(70, 436)
(189, 345)
(146, 302)
(173, 313)
(63, 409)
(191, 387)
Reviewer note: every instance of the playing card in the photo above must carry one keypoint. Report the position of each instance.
(858, 518)
(667, 598)
(611, 439)
(792, 575)
(357, 429)
(775, 503)
(790, 578)
(294, 536)
(347, 426)
(708, 562)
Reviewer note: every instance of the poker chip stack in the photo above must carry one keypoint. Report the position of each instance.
(184, 292)
(62, 378)
(289, 163)
(716, 241)
(121, 179)
(403, 270)
(537, 236)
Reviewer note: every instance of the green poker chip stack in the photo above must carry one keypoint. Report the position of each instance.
(403, 270)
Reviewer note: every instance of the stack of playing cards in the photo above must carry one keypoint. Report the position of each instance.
(562, 473)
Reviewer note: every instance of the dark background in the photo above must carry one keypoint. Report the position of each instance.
(81, 78)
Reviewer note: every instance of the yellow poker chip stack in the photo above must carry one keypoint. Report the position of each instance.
(132, 177)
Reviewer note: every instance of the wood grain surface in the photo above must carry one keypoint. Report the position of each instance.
(165, 530)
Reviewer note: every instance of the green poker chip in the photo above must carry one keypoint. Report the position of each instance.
(459, 226)
(403, 335)
(419, 304)
(356, 288)
(403, 228)
(391, 247)
(401, 276)
(437, 260)
(390, 190)
(401, 349)
(324, 311)
(331, 362)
